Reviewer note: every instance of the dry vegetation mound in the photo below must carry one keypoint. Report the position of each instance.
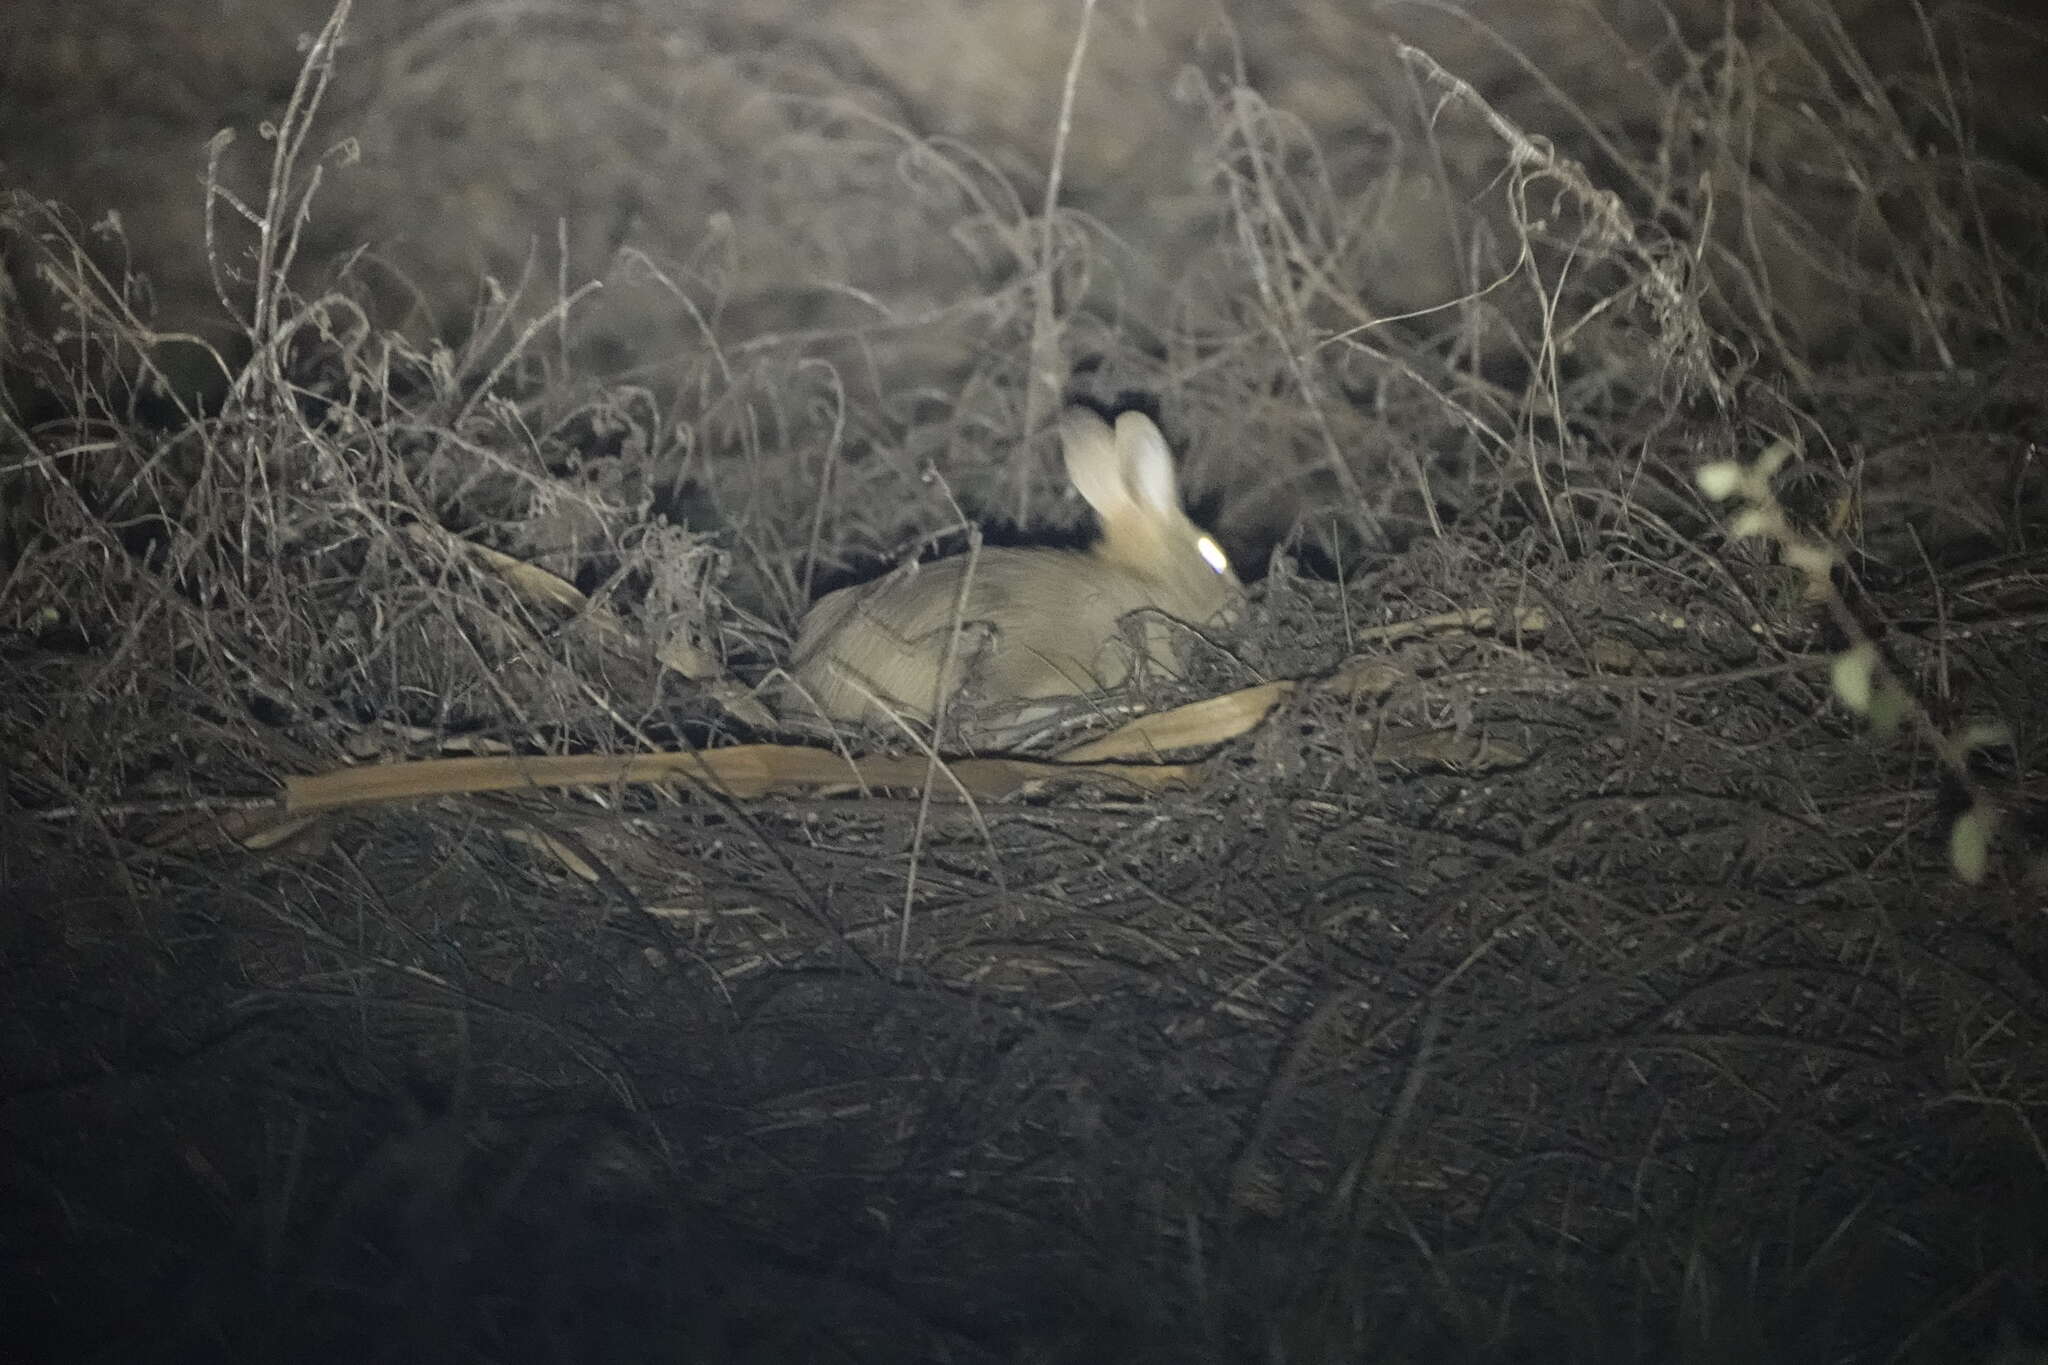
(1576, 918)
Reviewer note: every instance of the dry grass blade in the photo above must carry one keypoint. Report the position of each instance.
(746, 772)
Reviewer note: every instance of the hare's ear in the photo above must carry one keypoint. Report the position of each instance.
(1096, 466)
(1147, 465)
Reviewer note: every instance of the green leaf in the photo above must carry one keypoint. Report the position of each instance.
(1969, 844)
(1719, 480)
(1852, 673)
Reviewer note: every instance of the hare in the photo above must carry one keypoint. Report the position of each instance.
(1031, 624)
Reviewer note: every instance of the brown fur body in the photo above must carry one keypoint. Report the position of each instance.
(1031, 624)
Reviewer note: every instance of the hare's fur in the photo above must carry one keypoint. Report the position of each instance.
(1031, 623)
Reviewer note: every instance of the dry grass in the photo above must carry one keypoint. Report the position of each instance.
(1595, 989)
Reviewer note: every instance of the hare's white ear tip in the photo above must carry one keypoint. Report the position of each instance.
(1081, 424)
(1147, 464)
(1136, 426)
(1137, 436)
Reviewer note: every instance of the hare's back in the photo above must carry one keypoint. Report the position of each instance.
(1032, 623)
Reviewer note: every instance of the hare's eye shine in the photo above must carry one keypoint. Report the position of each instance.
(1213, 554)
